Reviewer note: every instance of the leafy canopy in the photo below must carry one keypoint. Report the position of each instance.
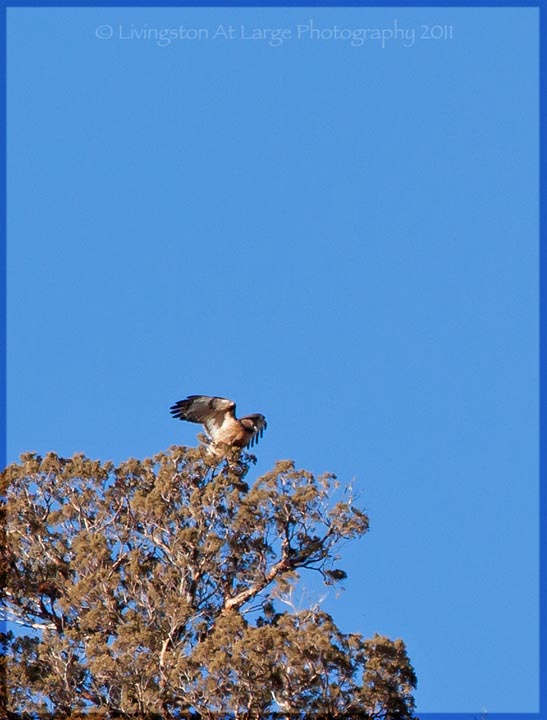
(162, 588)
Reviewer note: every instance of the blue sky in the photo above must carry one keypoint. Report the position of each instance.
(341, 235)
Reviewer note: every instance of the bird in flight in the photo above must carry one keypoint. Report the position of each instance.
(218, 417)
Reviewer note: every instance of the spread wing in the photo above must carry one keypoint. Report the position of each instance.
(256, 424)
(211, 412)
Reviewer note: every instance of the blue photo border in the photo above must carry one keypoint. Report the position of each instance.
(542, 8)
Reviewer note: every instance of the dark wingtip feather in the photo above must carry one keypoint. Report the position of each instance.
(178, 409)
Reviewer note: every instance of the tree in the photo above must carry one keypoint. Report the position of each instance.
(161, 588)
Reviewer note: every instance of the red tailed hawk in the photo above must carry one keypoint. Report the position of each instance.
(218, 416)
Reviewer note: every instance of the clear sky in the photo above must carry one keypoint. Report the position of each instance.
(339, 231)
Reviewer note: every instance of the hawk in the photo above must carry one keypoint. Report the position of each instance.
(218, 416)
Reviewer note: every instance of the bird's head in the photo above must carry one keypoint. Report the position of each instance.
(256, 422)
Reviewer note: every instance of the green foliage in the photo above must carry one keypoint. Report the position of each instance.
(160, 587)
